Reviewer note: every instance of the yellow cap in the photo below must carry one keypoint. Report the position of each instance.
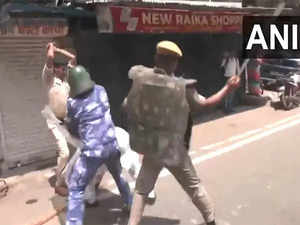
(168, 48)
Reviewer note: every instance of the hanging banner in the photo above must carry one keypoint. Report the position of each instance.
(116, 19)
(34, 27)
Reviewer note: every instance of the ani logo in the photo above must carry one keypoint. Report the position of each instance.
(271, 37)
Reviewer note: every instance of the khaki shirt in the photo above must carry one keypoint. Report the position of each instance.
(50, 80)
(57, 92)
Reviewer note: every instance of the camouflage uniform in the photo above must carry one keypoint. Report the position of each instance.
(158, 113)
(90, 120)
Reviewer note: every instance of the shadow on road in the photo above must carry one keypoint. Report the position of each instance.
(108, 212)
(248, 103)
(277, 105)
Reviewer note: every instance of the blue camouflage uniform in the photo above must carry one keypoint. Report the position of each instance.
(91, 121)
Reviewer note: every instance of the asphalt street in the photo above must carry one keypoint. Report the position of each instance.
(256, 184)
(248, 162)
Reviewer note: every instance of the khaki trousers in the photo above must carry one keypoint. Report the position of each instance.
(63, 153)
(186, 176)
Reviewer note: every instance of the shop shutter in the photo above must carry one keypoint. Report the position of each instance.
(24, 131)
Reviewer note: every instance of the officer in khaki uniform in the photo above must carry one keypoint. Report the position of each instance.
(158, 106)
(54, 77)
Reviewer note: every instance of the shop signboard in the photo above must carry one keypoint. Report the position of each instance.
(34, 27)
(118, 19)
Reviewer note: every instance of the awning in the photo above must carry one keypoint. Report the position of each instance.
(225, 4)
(32, 10)
(233, 6)
(31, 20)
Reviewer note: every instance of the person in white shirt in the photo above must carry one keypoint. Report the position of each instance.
(54, 77)
(231, 66)
(130, 162)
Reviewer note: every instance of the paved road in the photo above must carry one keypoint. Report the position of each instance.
(249, 163)
(256, 184)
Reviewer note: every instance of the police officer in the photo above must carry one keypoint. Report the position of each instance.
(54, 77)
(89, 120)
(158, 106)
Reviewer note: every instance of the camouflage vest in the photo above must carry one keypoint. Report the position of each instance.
(157, 115)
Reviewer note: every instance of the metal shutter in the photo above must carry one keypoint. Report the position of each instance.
(24, 131)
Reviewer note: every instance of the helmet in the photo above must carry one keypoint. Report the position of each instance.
(80, 81)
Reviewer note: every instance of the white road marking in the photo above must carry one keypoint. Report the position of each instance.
(244, 142)
(249, 133)
(282, 121)
(208, 147)
(229, 148)
(231, 139)
(241, 136)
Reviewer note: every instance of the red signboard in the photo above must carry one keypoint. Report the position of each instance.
(117, 19)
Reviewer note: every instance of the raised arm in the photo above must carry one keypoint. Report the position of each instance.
(50, 55)
(47, 74)
(198, 104)
(72, 57)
